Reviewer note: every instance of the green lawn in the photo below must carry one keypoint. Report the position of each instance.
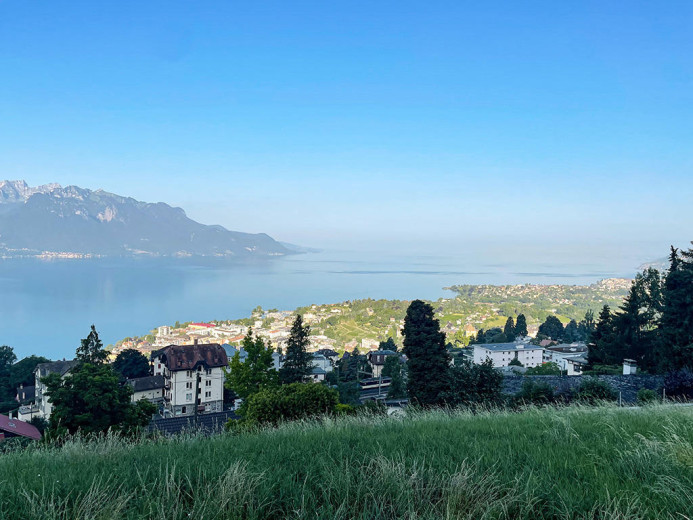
(571, 463)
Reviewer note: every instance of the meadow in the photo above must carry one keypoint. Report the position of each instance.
(570, 463)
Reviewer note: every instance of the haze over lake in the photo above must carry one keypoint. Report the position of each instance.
(47, 306)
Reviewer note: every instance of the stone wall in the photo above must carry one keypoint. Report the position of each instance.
(627, 385)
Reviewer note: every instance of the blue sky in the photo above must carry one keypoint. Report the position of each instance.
(371, 123)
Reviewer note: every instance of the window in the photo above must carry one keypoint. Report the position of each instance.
(208, 382)
(188, 397)
(184, 410)
(189, 373)
(208, 371)
(208, 394)
(188, 385)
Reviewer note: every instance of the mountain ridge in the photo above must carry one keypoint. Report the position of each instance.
(52, 220)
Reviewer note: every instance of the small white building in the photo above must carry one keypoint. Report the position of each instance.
(194, 377)
(150, 388)
(501, 354)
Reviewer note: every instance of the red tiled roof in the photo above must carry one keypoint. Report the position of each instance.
(188, 357)
(18, 428)
(208, 325)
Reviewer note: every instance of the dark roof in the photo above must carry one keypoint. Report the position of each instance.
(189, 357)
(327, 352)
(26, 393)
(60, 367)
(206, 423)
(17, 427)
(142, 384)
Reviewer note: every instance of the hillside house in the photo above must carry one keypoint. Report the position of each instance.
(376, 360)
(43, 404)
(193, 377)
(15, 428)
(501, 354)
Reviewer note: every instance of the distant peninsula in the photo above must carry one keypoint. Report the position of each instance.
(52, 221)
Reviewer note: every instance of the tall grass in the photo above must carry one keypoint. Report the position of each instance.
(596, 463)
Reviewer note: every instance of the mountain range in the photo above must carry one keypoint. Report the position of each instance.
(52, 220)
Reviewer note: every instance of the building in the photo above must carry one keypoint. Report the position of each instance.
(150, 388)
(318, 374)
(193, 377)
(322, 362)
(376, 359)
(43, 404)
(243, 355)
(15, 428)
(501, 354)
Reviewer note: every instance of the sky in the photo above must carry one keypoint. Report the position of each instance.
(392, 124)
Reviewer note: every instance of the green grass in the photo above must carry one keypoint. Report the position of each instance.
(605, 463)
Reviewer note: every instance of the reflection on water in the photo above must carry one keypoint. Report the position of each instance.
(47, 306)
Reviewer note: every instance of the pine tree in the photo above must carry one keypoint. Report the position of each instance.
(509, 329)
(298, 363)
(675, 341)
(91, 349)
(602, 339)
(571, 333)
(428, 360)
(586, 326)
(521, 325)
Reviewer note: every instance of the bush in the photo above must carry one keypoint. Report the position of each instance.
(535, 393)
(647, 396)
(679, 384)
(545, 369)
(290, 402)
(593, 390)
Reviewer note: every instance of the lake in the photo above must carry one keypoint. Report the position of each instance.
(46, 306)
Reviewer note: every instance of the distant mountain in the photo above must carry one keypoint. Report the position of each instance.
(51, 220)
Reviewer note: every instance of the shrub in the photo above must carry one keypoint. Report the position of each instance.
(545, 369)
(535, 393)
(647, 396)
(290, 402)
(679, 384)
(593, 390)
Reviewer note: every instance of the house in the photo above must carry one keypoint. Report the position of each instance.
(322, 362)
(15, 428)
(376, 359)
(150, 388)
(501, 354)
(26, 394)
(318, 374)
(243, 355)
(570, 357)
(330, 354)
(42, 370)
(193, 377)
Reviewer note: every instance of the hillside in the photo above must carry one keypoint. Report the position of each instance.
(54, 221)
(576, 463)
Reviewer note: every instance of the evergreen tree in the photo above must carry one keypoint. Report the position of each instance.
(91, 349)
(7, 392)
(130, 363)
(552, 328)
(393, 369)
(602, 339)
(388, 344)
(521, 325)
(256, 372)
(509, 329)
(571, 332)
(429, 362)
(586, 327)
(675, 341)
(298, 363)
(480, 337)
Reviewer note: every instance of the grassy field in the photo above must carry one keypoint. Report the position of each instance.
(605, 463)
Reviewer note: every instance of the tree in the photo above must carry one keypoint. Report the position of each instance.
(7, 359)
(600, 350)
(480, 337)
(298, 363)
(571, 332)
(545, 369)
(521, 325)
(290, 402)
(586, 326)
(509, 329)
(552, 328)
(23, 370)
(393, 370)
(130, 363)
(91, 399)
(91, 349)
(256, 373)
(388, 344)
(515, 363)
(675, 338)
(474, 384)
(428, 360)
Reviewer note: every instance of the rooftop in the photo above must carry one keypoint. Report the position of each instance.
(142, 384)
(17, 427)
(189, 357)
(501, 347)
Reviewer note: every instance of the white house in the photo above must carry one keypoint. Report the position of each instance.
(43, 403)
(151, 388)
(501, 354)
(194, 377)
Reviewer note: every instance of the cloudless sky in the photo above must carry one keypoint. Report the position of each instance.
(374, 122)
